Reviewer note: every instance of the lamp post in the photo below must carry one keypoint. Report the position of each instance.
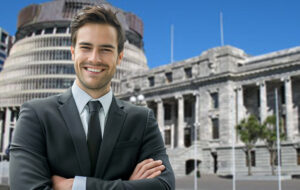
(137, 98)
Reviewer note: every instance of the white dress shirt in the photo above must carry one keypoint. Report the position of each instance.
(81, 99)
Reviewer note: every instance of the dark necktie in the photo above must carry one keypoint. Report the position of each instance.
(94, 133)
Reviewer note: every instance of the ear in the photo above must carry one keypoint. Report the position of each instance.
(73, 53)
(120, 57)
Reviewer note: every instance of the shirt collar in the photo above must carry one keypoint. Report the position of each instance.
(82, 98)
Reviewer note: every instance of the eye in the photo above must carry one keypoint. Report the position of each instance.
(85, 47)
(106, 50)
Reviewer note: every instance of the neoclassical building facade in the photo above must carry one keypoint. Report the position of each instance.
(210, 94)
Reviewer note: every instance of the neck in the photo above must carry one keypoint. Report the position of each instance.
(94, 93)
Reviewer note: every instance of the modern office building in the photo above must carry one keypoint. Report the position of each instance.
(39, 64)
(5, 45)
(210, 94)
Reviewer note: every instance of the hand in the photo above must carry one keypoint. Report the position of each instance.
(147, 169)
(61, 183)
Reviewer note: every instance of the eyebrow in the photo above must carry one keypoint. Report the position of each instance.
(103, 45)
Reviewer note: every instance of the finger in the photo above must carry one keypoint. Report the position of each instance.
(149, 166)
(155, 174)
(140, 165)
(152, 171)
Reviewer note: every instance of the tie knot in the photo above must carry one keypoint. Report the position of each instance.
(94, 106)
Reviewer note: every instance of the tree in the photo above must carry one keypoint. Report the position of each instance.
(249, 130)
(270, 138)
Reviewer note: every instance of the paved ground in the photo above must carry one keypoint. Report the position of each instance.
(212, 182)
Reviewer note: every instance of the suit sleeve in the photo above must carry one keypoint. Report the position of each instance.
(152, 147)
(28, 163)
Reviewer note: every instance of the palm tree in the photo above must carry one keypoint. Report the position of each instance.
(249, 130)
(269, 136)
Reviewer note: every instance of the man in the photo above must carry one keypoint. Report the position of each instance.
(85, 138)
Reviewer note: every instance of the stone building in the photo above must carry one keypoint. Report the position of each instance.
(209, 94)
(40, 65)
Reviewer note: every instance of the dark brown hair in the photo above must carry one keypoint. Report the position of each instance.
(98, 15)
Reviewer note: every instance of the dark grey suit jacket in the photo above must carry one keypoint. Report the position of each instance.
(49, 140)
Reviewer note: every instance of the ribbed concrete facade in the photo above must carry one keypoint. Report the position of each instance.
(209, 94)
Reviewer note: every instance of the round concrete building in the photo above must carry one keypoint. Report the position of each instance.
(40, 65)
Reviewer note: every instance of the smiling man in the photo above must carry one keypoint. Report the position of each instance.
(85, 138)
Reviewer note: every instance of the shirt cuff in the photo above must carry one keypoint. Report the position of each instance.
(79, 183)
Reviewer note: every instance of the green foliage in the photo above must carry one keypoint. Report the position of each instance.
(269, 132)
(270, 137)
(249, 130)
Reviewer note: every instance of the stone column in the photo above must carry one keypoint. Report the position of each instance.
(7, 126)
(288, 107)
(263, 101)
(172, 136)
(180, 121)
(240, 112)
(197, 112)
(161, 117)
(173, 130)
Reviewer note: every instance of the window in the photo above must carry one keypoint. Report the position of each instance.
(3, 48)
(283, 119)
(3, 37)
(188, 72)
(38, 32)
(258, 98)
(215, 100)
(167, 109)
(215, 128)
(282, 94)
(48, 30)
(2, 55)
(252, 154)
(167, 136)
(61, 30)
(169, 77)
(151, 81)
(188, 108)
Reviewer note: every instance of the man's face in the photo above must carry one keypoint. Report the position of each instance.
(96, 56)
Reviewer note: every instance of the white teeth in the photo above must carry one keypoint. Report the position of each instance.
(94, 70)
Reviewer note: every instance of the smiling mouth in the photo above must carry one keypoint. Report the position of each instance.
(94, 70)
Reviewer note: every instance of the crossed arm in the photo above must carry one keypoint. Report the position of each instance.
(146, 169)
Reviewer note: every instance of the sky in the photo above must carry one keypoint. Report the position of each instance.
(255, 26)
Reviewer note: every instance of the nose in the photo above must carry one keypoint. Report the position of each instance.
(94, 57)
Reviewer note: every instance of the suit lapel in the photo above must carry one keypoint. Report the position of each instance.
(113, 126)
(72, 119)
